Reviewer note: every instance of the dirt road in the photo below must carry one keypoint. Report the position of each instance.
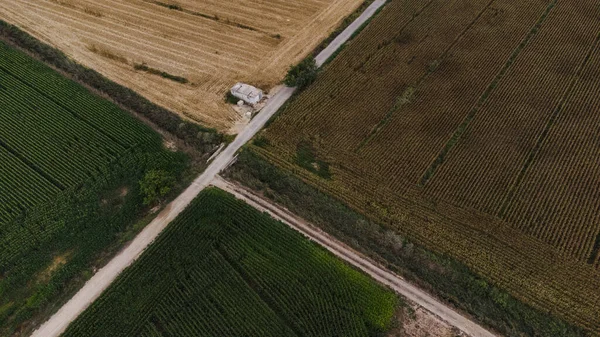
(395, 282)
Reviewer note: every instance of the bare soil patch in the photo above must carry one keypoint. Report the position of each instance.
(414, 321)
(57, 262)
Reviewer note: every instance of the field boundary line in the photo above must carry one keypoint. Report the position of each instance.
(462, 128)
(356, 259)
(213, 18)
(546, 131)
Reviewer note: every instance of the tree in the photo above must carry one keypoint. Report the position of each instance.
(303, 74)
(155, 185)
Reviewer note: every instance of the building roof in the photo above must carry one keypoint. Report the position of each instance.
(246, 90)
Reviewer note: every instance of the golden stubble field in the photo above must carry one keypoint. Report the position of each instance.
(211, 43)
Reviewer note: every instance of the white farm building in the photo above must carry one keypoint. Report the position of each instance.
(247, 93)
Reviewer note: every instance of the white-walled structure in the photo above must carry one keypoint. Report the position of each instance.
(247, 93)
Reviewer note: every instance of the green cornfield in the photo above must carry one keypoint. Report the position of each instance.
(70, 162)
(54, 133)
(223, 268)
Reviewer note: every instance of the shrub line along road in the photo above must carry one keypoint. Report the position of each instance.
(94, 287)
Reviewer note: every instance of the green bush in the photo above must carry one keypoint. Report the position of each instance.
(302, 74)
(229, 98)
(155, 185)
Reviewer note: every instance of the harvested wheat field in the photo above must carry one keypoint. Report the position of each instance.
(183, 55)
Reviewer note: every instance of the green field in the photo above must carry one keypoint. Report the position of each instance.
(54, 134)
(224, 269)
(70, 166)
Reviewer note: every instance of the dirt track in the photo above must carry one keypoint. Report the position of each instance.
(212, 43)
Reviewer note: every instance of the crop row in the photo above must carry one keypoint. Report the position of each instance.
(49, 137)
(227, 269)
(56, 130)
(517, 112)
(239, 309)
(45, 214)
(558, 198)
(487, 166)
(20, 186)
(100, 113)
(459, 82)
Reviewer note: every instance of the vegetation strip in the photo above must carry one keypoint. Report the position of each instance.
(154, 71)
(408, 94)
(541, 139)
(374, 269)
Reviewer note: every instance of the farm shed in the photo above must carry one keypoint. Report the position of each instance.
(247, 93)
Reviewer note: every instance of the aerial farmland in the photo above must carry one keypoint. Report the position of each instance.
(183, 55)
(300, 168)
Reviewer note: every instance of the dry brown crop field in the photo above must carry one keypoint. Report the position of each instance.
(472, 126)
(195, 49)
